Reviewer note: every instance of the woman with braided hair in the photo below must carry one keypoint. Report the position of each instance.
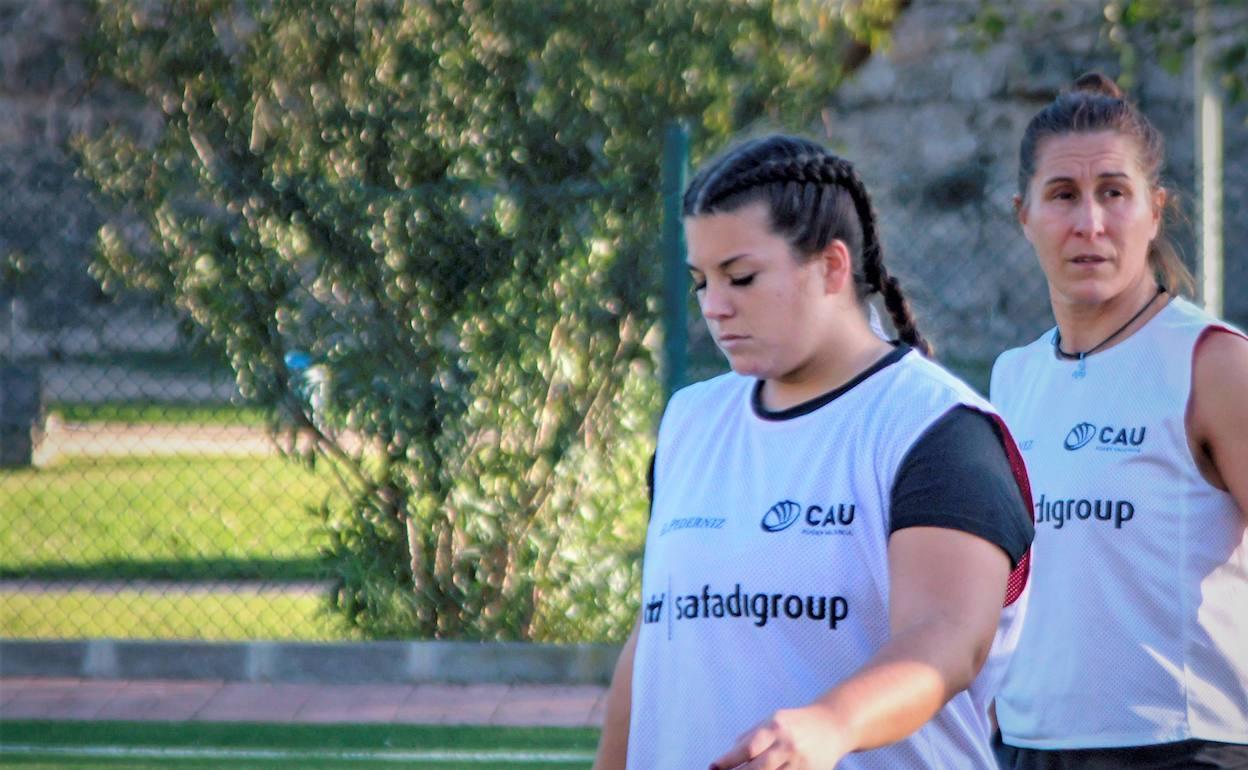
(836, 524)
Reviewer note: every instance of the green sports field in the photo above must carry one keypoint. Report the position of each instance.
(170, 518)
(239, 746)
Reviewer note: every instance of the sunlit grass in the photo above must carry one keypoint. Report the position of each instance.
(174, 517)
(158, 413)
(214, 616)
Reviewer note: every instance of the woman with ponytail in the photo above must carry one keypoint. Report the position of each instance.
(839, 528)
(1132, 409)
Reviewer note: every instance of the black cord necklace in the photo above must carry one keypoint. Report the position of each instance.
(1082, 369)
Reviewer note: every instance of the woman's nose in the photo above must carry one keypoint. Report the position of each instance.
(1089, 219)
(715, 302)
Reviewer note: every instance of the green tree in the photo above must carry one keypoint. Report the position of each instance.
(453, 208)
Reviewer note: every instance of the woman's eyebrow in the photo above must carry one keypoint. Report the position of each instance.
(722, 265)
(1071, 180)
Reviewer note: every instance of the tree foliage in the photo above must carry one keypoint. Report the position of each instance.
(453, 208)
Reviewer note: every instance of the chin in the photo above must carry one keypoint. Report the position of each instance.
(747, 368)
(1087, 298)
(1089, 293)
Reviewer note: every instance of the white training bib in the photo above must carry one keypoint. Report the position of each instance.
(1137, 630)
(766, 572)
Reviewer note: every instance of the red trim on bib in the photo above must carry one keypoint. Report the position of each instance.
(1018, 576)
(1214, 329)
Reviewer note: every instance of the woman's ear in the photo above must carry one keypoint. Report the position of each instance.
(1021, 212)
(838, 267)
(1160, 195)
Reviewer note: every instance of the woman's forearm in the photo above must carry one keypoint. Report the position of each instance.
(903, 685)
(944, 608)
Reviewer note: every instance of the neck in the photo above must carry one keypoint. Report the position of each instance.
(837, 363)
(1085, 326)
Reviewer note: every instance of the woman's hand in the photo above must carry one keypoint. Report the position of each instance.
(805, 738)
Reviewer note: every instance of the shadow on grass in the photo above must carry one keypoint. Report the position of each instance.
(274, 570)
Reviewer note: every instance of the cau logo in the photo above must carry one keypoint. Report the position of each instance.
(1107, 437)
(781, 516)
(834, 518)
(1079, 436)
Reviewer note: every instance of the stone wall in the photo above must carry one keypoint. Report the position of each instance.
(46, 214)
(934, 126)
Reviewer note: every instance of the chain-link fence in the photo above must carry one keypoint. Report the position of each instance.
(379, 477)
(306, 387)
(159, 503)
(141, 497)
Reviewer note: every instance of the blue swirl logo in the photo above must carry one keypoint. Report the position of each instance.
(781, 516)
(1079, 436)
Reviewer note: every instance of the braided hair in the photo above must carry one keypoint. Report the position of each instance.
(814, 198)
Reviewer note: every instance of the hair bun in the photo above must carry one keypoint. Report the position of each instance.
(1096, 83)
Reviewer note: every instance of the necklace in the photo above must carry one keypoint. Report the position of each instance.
(1082, 370)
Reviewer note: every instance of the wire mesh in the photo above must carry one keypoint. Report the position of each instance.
(423, 431)
(147, 496)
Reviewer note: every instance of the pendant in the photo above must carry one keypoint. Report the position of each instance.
(1081, 370)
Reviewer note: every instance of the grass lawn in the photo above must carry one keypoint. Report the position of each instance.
(158, 413)
(162, 518)
(126, 614)
(204, 745)
(177, 517)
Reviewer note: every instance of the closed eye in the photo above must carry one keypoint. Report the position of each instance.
(745, 280)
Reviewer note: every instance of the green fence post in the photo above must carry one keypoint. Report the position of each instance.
(675, 271)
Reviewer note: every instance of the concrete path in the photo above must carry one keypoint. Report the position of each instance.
(214, 701)
(104, 439)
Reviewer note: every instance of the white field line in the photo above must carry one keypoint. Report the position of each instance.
(432, 755)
